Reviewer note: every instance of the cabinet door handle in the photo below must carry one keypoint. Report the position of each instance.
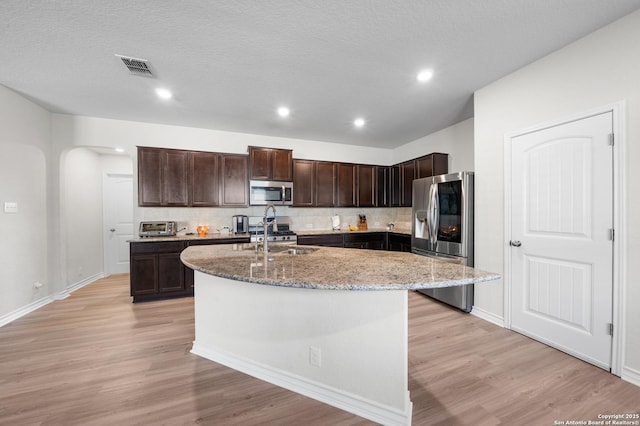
(515, 243)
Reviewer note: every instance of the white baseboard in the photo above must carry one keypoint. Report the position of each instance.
(488, 316)
(12, 316)
(631, 375)
(20, 312)
(343, 400)
(73, 287)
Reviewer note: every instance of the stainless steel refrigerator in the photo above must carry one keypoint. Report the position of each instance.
(443, 228)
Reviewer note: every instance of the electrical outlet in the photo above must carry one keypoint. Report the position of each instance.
(10, 207)
(315, 356)
(37, 285)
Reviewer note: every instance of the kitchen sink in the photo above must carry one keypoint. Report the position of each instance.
(284, 249)
(295, 251)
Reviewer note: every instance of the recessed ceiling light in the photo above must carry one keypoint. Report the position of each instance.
(118, 149)
(424, 75)
(283, 111)
(164, 93)
(358, 122)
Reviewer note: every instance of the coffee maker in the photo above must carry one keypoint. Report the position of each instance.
(240, 224)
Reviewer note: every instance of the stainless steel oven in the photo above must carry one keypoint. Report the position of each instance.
(282, 234)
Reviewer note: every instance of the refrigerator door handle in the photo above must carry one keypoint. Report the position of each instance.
(434, 209)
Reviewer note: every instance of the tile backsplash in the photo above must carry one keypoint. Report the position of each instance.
(301, 218)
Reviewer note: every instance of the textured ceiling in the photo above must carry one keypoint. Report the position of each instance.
(231, 63)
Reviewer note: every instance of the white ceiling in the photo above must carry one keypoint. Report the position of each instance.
(231, 63)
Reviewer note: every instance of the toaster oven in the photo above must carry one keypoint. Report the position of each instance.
(157, 229)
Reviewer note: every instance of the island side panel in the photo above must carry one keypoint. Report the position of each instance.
(358, 338)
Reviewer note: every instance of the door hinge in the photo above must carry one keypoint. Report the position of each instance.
(612, 234)
(611, 139)
(610, 329)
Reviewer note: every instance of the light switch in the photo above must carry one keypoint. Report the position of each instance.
(10, 207)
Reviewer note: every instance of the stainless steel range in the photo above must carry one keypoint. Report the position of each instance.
(281, 234)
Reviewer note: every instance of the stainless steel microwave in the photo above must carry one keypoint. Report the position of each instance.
(263, 192)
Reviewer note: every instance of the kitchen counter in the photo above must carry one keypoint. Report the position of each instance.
(330, 268)
(307, 322)
(185, 237)
(396, 230)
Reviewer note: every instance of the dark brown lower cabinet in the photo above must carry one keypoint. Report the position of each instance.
(369, 240)
(325, 240)
(365, 240)
(399, 242)
(156, 271)
(170, 273)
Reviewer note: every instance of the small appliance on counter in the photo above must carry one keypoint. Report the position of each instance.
(335, 222)
(157, 229)
(240, 224)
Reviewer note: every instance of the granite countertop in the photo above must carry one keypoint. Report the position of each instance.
(229, 236)
(396, 230)
(330, 268)
(186, 237)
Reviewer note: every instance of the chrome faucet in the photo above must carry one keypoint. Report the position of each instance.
(265, 224)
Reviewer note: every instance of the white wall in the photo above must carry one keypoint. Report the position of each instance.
(25, 145)
(597, 70)
(456, 140)
(71, 130)
(116, 164)
(81, 211)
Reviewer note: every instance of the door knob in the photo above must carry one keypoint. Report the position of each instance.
(112, 229)
(515, 243)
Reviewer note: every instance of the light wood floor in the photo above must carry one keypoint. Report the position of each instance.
(97, 359)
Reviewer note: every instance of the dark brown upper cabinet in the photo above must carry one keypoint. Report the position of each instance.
(432, 165)
(149, 176)
(204, 181)
(233, 176)
(175, 168)
(303, 183)
(395, 185)
(383, 186)
(178, 178)
(346, 185)
(270, 164)
(325, 184)
(162, 177)
(367, 185)
(407, 175)
(402, 176)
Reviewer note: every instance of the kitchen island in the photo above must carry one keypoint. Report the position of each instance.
(329, 323)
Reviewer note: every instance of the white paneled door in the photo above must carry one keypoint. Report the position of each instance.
(118, 222)
(561, 237)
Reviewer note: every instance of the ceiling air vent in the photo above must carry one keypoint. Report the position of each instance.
(137, 66)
